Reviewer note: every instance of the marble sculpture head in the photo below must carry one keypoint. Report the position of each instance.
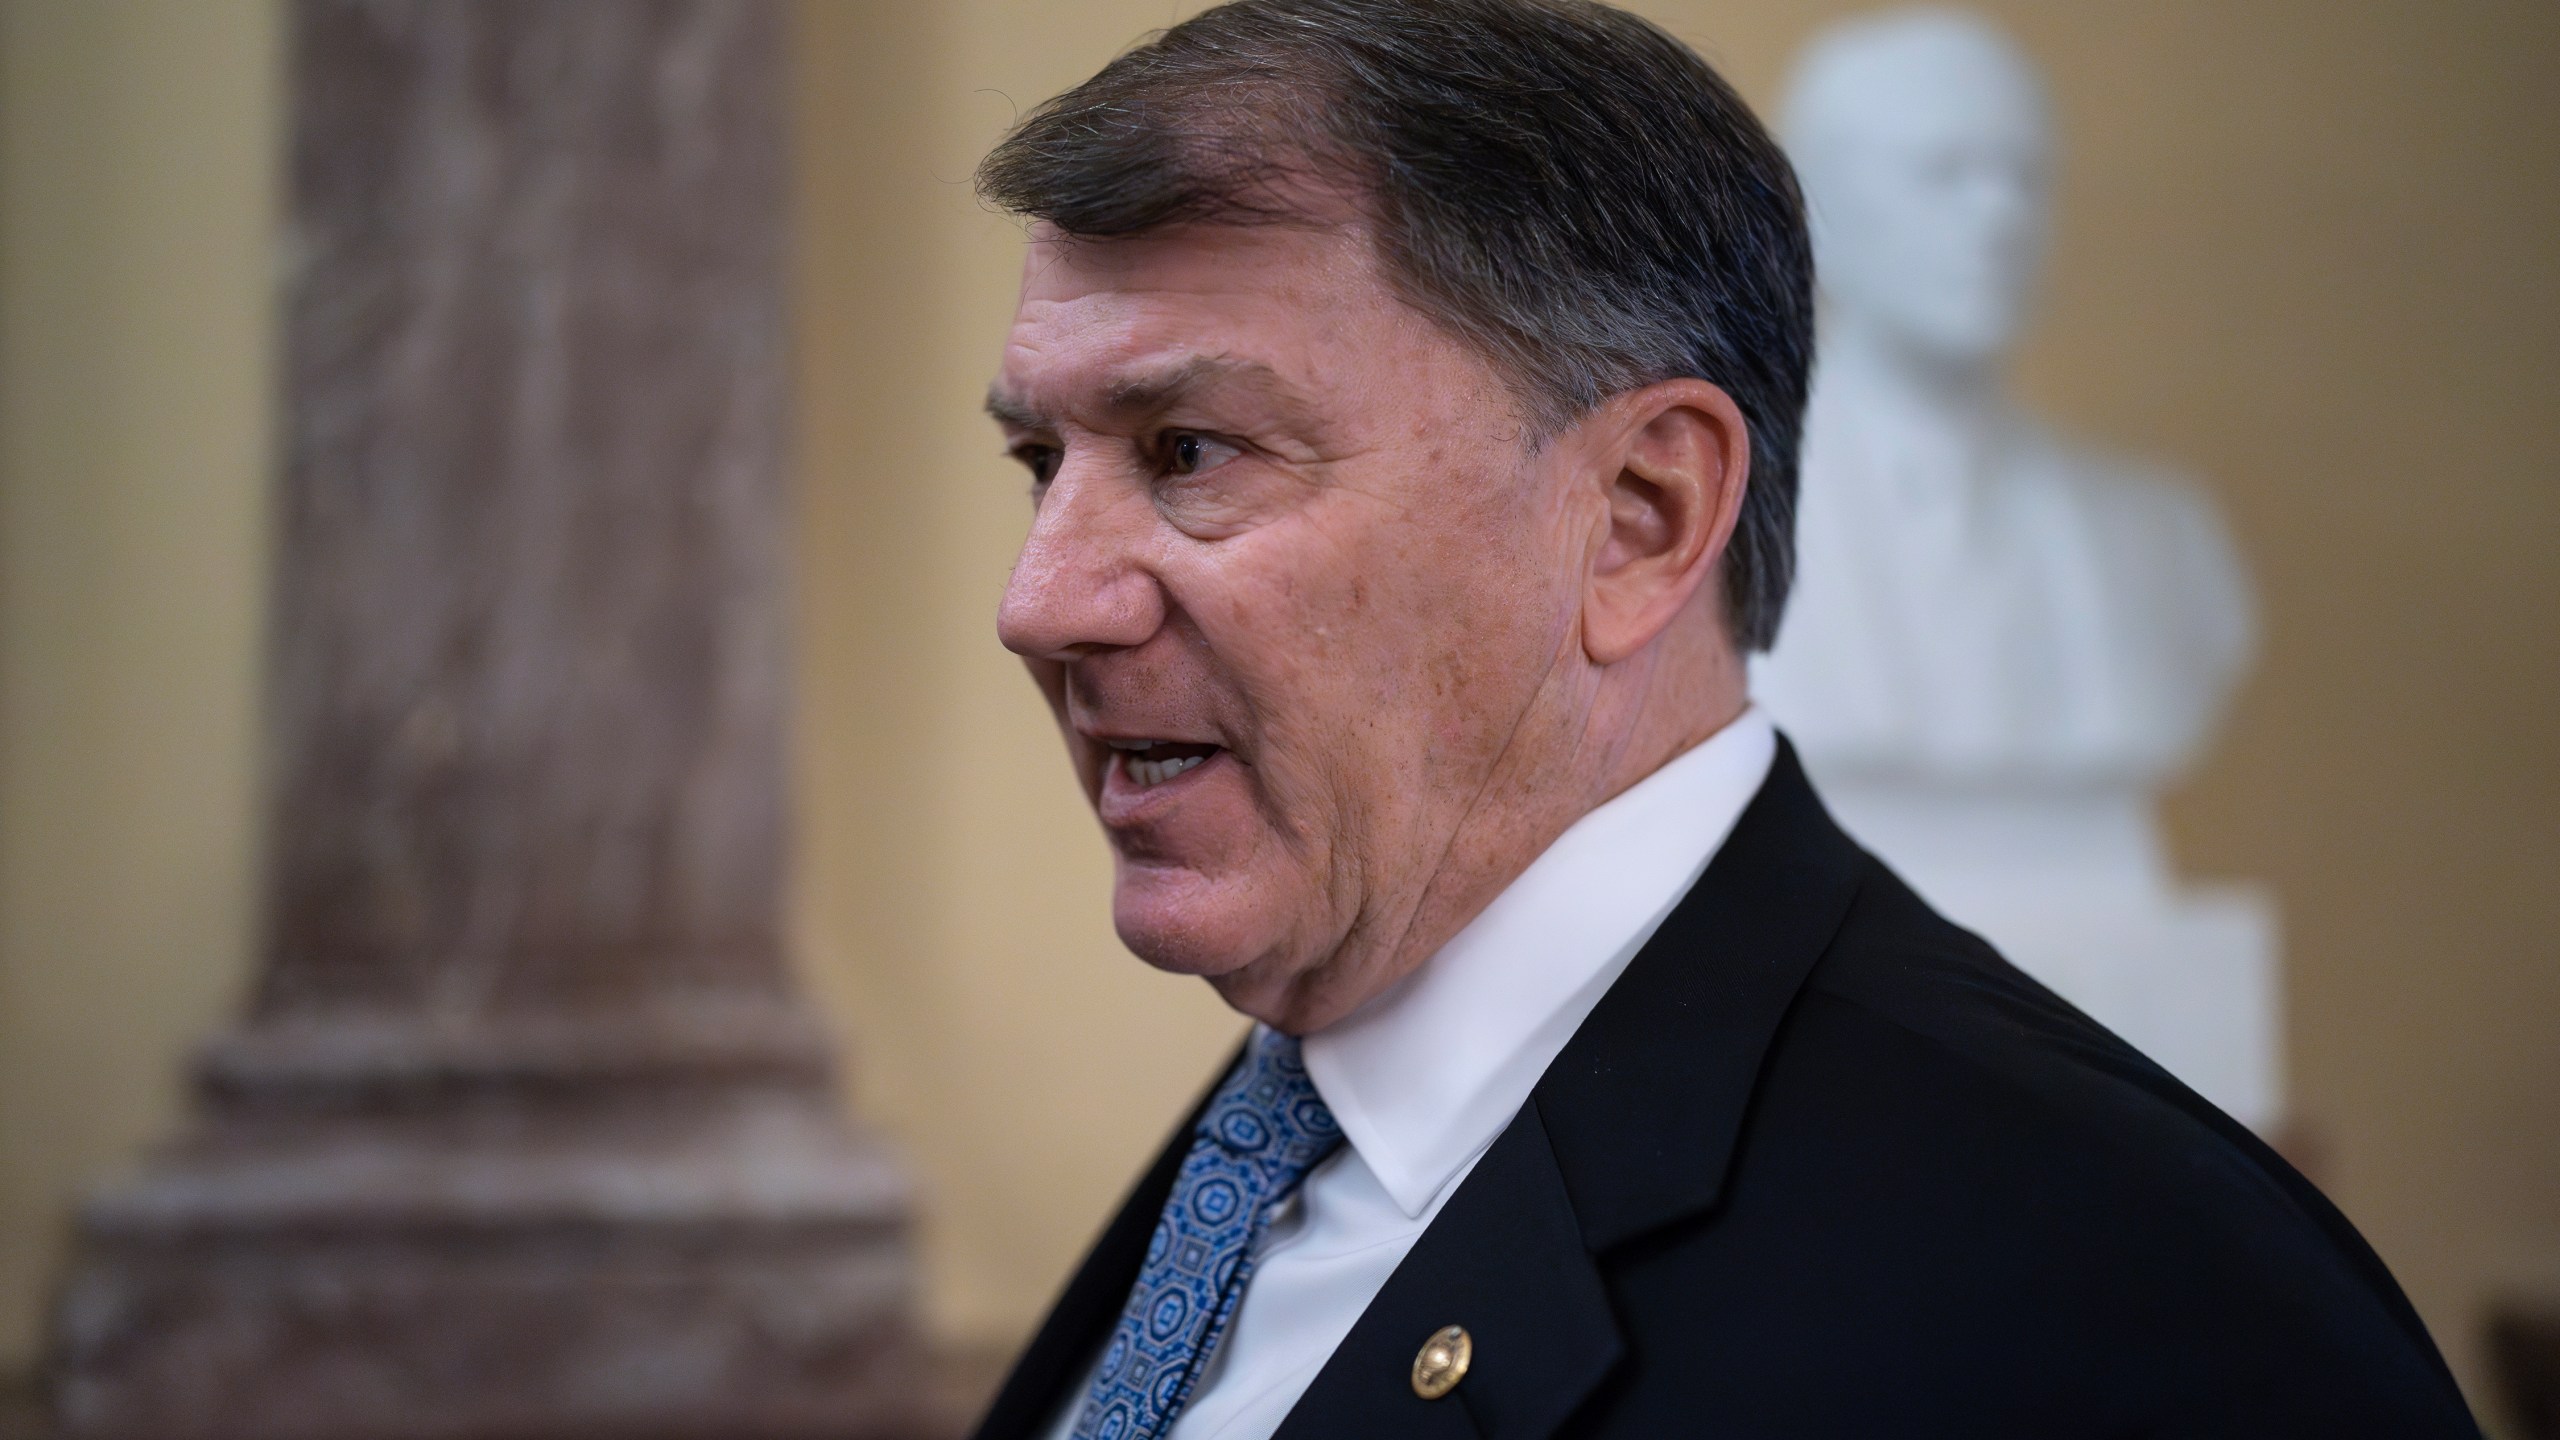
(1926, 150)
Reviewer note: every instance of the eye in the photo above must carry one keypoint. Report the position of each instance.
(1188, 452)
(1040, 460)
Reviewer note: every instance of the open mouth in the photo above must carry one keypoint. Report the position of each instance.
(1149, 763)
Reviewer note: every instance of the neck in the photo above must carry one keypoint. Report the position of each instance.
(1879, 364)
(1659, 705)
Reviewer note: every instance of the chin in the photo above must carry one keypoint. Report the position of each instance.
(1186, 923)
(1974, 327)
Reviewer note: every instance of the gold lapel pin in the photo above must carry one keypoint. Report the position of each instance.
(1442, 1361)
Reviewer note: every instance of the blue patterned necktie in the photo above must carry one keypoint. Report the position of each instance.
(1263, 1131)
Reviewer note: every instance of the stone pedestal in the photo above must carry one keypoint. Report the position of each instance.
(524, 1132)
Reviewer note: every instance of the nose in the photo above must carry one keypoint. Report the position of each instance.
(1080, 586)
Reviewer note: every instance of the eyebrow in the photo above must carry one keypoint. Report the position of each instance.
(1150, 391)
(1011, 410)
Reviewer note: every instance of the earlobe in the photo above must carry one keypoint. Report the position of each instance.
(1678, 464)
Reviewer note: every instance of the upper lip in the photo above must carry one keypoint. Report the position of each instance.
(1119, 737)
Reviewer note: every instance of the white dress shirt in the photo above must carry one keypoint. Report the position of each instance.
(1425, 1077)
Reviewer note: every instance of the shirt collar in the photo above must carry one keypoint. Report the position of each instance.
(1423, 1077)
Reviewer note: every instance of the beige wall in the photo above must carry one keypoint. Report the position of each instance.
(136, 176)
(2310, 250)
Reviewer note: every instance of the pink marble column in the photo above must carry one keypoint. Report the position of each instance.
(525, 1132)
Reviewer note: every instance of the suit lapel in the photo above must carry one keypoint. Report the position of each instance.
(1505, 1260)
(1632, 1128)
(1084, 1315)
(1646, 1103)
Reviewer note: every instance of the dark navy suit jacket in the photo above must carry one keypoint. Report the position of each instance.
(1821, 1163)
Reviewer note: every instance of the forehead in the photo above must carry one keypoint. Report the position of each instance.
(1927, 94)
(1197, 262)
(1302, 301)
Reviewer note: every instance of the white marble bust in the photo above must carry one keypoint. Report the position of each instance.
(2002, 642)
(1981, 598)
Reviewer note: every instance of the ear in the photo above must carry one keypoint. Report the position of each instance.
(1675, 458)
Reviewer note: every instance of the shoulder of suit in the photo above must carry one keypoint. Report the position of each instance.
(1968, 1010)
(1905, 1003)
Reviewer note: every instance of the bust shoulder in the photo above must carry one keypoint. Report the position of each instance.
(2021, 606)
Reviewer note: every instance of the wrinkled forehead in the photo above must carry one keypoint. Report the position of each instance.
(1092, 313)
(1230, 266)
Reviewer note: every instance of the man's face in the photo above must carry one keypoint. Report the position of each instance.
(1294, 582)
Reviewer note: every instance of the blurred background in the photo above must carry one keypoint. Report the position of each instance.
(2308, 251)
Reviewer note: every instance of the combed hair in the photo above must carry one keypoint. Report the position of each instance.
(1560, 184)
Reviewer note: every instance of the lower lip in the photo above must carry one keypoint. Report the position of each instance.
(1124, 799)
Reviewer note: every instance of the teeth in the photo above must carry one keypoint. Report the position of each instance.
(1150, 773)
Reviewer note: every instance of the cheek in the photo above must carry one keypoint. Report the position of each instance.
(1386, 645)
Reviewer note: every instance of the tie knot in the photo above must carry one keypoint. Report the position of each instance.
(1268, 1114)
